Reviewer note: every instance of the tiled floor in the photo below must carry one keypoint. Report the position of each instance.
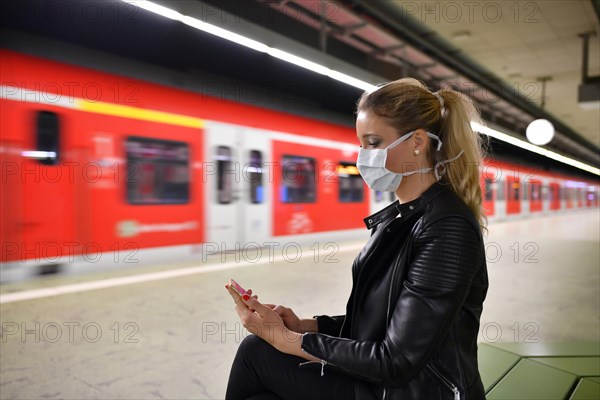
(175, 338)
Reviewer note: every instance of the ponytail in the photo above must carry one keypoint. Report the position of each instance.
(461, 175)
(407, 104)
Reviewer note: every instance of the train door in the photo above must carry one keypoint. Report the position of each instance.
(221, 178)
(568, 191)
(500, 199)
(545, 195)
(238, 179)
(513, 199)
(535, 195)
(47, 202)
(255, 188)
(591, 196)
(525, 189)
(554, 196)
(488, 194)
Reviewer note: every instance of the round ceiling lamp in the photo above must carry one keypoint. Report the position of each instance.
(540, 131)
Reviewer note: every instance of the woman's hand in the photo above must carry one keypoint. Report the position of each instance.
(261, 320)
(265, 323)
(290, 319)
(292, 322)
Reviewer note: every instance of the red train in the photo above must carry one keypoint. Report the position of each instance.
(96, 164)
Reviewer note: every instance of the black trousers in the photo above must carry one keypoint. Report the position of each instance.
(260, 372)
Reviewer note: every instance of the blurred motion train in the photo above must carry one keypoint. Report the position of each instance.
(95, 163)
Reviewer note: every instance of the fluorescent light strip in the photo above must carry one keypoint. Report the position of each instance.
(339, 76)
(299, 61)
(533, 148)
(156, 8)
(224, 34)
(250, 43)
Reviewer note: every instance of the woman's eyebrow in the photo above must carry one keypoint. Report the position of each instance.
(368, 135)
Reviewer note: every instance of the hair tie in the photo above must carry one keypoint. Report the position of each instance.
(439, 97)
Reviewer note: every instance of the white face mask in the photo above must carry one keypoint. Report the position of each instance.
(371, 165)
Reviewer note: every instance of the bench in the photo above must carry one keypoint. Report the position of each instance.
(542, 371)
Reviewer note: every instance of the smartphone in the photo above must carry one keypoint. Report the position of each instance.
(235, 286)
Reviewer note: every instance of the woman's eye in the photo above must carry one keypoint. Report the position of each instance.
(373, 144)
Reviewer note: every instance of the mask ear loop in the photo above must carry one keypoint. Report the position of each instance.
(439, 141)
(438, 175)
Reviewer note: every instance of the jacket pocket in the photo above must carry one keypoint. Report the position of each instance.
(445, 380)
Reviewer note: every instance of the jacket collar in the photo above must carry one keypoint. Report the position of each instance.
(403, 210)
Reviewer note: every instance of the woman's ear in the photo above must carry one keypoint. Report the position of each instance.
(420, 137)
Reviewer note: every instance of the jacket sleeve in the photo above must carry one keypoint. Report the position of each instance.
(330, 325)
(448, 254)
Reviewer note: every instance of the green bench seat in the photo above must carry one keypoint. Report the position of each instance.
(587, 389)
(531, 380)
(541, 371)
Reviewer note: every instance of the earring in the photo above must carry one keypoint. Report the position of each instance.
(416, 153)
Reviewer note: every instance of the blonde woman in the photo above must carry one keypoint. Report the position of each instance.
(411, 322)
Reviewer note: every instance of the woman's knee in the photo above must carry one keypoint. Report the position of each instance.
(253, 345)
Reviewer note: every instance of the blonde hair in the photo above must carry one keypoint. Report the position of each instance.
(407, 105)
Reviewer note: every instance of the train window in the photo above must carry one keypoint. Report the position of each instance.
(255, 176)
(350, 183)
(544, 192)
(157, 171)
(526, 188)
(512, 190)
(47, 138)
(489, 191)
(535, 192)
(553, 193)
(225, 175)
(392, 196)
(500, 190)
(299, 180)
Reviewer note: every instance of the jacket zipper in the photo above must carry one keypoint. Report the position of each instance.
(322, 362)
(445, 381)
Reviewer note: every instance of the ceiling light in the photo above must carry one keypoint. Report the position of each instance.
(540, 132)
(534, 149)
(247, 42)
(155, 8)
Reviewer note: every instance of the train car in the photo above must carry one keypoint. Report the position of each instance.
(113, 170)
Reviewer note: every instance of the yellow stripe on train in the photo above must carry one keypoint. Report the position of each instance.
(118, 110)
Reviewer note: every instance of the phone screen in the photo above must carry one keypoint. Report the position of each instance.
(240, 290)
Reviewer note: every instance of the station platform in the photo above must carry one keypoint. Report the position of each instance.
(170, 331)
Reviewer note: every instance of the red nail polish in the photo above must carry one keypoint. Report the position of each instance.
(246, 297)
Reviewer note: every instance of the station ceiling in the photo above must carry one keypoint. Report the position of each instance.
(522, 41)
(519, 60)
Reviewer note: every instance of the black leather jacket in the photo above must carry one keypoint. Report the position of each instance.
(411, 323)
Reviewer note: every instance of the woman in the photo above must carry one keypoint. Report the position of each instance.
(411, 323)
